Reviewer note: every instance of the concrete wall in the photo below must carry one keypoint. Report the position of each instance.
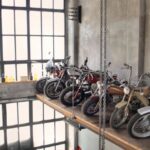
(147, 38)
(128, 41)
(123, 26)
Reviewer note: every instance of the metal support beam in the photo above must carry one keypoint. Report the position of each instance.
(142, 23)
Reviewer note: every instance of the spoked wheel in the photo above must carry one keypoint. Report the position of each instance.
(118, 118)
(139, 126)
(53, 89)
(71, 96)
(89, 107)
(40, 84)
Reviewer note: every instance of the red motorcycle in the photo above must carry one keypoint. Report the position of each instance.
(73, 95)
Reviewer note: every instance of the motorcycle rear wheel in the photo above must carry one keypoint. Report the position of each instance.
(88, 108)
(139, 126)
(66, 96)
(118, 118)
(40, 84)
(51, 91)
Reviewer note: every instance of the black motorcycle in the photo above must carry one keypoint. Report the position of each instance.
(54, 86)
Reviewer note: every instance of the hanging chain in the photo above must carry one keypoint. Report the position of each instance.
(102, 100)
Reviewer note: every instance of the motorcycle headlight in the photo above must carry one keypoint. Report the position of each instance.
(126, 90)
(99, 84)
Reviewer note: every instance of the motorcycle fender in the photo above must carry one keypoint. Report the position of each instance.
(121, 104)
(54, 79)
(144, 110)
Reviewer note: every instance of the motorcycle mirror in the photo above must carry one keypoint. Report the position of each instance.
(86, 60)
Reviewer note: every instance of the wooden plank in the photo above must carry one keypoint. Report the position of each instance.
(119, 137)
(11, 90)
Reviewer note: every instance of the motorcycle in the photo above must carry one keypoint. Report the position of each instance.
(113, 92)
(133, 99)
(73, 95)
(51, 69)
(53, 87)
(139, 124)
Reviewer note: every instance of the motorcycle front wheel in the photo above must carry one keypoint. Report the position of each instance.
(71, 96)
(40, 84)
(139, 126)
(118, 118)
(53, 89)
(89, 107)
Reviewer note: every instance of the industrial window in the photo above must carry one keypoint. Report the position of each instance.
(30, 124)
(29, 30)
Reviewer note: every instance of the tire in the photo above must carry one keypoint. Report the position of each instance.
(88, 107)
(49, 89)
(66, 96)
(117, 118)
(40, 84)
(134, 128)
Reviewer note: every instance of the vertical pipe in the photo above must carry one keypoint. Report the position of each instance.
(142, 24)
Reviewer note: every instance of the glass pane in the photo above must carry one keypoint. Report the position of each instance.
(21, 22)
(35, 47)
(59, 4)
(10, 74)
(50, 148)
(24, 136)
(1, 138)
(11, 114)
(49, 133)
(8, 21)
(12, 138)
(21, 71)
(47, 4)
(34, 3)
(35, 24)
(47, 23)
(37, 111)
(1, 119)
(23, 112)
(8, 49)
(21, 47)
(38, 135)
(36, 71)
(59, 23)
(8, 2)
(59, 48)
(47, 47)
(60, 147)
(58, 115)
(20, 2)
(60, 131)
(48, 112)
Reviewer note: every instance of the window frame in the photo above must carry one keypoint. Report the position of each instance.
(29, 61)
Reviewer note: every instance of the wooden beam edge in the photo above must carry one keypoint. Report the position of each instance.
(117, 140)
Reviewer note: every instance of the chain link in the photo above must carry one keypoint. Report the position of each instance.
(102, 98)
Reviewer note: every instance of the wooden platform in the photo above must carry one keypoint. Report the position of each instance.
(119, 137)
